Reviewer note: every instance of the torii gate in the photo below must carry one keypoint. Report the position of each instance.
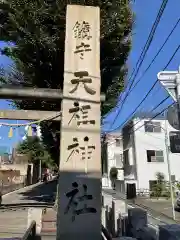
(79, 211)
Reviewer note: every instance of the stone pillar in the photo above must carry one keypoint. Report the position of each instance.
(167, 232)
(35, 214)
(137, 220)
(79, 206)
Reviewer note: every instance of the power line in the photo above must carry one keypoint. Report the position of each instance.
(154, 93)
(157, 54)
(155, 116)
(159, 113)
(153, 109)
(146, 47)
(147, 92)
(150, 38)
(153, 60)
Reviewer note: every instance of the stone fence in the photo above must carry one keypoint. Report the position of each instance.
(134, 225)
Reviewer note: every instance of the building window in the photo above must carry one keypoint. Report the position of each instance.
(155, 156)
(118, 142)
(152, 126)
(126, 157)
(119, 160)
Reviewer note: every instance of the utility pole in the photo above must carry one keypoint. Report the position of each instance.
(169, 167)
(178, 94)
(171, 82)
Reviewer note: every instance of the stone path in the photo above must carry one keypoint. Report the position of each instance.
(35, 194)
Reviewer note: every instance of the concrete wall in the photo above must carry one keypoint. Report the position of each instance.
(21, 167)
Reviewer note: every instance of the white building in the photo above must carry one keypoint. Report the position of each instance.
(144, 152)
(138, 153)
(112, 156)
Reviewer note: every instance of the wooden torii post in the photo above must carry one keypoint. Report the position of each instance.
(79, 205)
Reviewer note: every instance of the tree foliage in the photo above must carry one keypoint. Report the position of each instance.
(113, 173)
(36, 31)
(34, 148)
(160, 187)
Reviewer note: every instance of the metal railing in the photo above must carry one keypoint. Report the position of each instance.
(30, 233)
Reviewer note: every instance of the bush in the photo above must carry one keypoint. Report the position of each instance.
(160, 187)
(157, 190)
(113, 176)
(113, 173)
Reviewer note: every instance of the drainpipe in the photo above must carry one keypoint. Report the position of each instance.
(134, 154)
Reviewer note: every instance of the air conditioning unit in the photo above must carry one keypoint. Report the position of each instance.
(153, 159)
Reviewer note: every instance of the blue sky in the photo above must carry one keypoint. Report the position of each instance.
(18, 133)
(146, 12)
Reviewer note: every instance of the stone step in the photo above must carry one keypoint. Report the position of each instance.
(44, 233)
(49, 221)
(48, 225)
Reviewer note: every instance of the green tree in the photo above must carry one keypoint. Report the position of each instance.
(160, 185)
(35, 150)
(36, 31)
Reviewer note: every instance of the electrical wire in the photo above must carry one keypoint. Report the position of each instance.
(154, 116)
(176, 50)
(149, 40)
(159, 113)
(152, 61)
(157, 54)
(145, 116)
(154, 109)
(145, 49)
(154, 93)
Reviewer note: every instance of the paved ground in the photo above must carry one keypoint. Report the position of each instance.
(15, 207)
(14, 210)
(162, 206)
(42, 193)
(160, 212)
(13, 223)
